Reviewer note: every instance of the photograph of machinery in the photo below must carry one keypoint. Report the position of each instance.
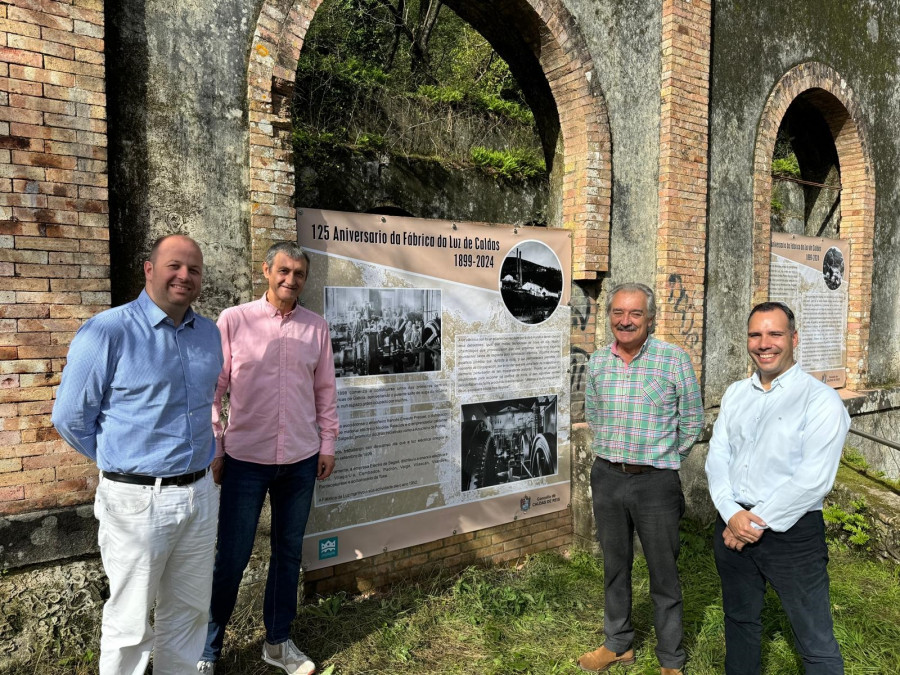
(531, 282)
(384, 331)
(508, 441)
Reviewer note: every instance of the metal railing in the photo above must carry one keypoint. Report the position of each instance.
(877, 439)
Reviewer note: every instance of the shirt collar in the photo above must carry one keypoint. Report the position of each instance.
(614, 348)
(156, 315)
(272, 311)
(781, 381)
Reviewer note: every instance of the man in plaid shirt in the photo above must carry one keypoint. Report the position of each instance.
(643, 404)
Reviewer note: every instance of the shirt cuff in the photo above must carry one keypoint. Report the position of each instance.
(728, 510)
(326, 446)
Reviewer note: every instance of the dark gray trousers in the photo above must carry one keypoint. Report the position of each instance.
(652, 504)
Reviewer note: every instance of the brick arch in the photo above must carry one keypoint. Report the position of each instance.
(565, 61)
(829, 93)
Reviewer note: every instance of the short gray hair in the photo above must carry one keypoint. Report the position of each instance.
(291, 249)
(633, 287)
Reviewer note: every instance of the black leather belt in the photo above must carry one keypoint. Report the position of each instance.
(746, 507)
(631, 468)
(140, 479)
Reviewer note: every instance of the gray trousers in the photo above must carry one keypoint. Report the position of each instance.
(652, 504)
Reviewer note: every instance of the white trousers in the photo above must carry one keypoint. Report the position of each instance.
(157, 545)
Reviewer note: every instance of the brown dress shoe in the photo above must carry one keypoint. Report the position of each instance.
(671, 671)
(601, 660)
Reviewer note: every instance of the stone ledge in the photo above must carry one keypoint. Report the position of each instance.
(48, 535)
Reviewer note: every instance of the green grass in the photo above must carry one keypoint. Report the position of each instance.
(537, 617)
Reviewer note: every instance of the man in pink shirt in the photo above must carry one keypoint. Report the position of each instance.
(279, 438)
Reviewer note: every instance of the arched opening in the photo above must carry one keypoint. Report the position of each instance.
(403, 103)
(549, 58)
(812, 110)
(806, 177)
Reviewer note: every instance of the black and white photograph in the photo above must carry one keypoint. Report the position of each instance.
(384, 331)
(833, 268)
(531, 282)
(507, 441)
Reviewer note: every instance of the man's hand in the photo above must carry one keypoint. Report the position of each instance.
(326, 466)
(731, 541)
(742, 529)
(217, 466)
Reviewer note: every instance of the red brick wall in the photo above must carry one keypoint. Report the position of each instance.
(492, 546)
(683, 174)
(54, 232)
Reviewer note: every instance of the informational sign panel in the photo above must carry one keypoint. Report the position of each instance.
(809, 274)
(451, 351)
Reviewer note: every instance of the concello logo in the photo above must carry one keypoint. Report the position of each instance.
(328, 548)
(525, 503)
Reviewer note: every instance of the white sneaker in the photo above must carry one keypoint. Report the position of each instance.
(287, 656)
(208, 667)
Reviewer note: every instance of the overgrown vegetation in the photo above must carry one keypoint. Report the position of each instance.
(538, 616)
(408, 78)
(508, 163)
(784, 160)
(786, 166)
(853, 458)
(849, 528)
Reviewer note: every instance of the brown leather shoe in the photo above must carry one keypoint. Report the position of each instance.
(671, 671)
(601, 660)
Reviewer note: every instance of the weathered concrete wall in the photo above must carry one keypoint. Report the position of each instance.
(624, 40)
(423, 188)
(754, 45)
(178, 138)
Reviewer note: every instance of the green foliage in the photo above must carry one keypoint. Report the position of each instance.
(777, 205)
(484, 599)
(853, 458)
(326, 608)
(510, 109)
(440, 94)
(787, 166)
(370, 141)
(851, 527)
(515, 163)
(385, 75)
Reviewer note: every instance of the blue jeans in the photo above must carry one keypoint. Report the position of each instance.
(650, 504)
(244, 487)
(794, 563)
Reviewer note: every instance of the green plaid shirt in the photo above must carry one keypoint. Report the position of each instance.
(646, 412)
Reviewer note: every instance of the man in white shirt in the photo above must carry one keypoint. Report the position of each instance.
(773, 456)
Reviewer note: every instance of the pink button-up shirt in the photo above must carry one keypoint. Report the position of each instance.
(279, 370)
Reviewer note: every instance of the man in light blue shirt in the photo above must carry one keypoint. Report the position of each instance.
(136, 397)
(773, 457)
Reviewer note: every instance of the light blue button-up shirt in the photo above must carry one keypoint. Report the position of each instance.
(777, 450)
(136, 393)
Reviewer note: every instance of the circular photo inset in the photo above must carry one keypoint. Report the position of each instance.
(531, 282)
(833, 268)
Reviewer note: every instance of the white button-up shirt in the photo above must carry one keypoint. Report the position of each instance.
(777, 450)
